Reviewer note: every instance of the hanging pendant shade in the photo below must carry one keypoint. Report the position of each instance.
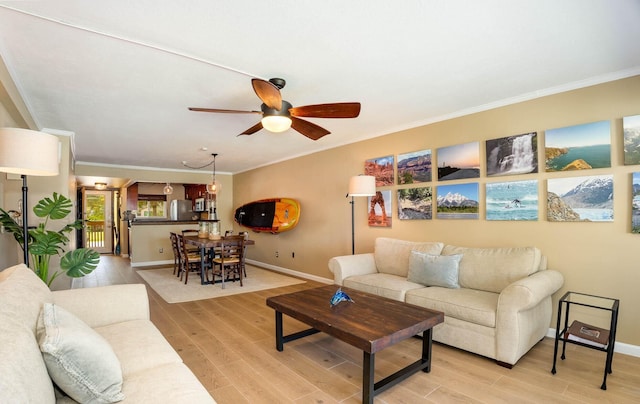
(168, 189)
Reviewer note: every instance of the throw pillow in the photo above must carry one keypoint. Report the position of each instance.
(434, 270)
(79, 360)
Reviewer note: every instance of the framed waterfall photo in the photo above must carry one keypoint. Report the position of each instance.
(512, 155)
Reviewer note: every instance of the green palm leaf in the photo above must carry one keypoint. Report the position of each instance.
(79, 262)
(56, 208)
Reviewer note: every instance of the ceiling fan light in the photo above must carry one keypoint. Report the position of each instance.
(275, 123)
(100, 186)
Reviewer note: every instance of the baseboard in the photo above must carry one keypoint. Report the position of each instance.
(292, 272)
(151, 263)
(620, 347)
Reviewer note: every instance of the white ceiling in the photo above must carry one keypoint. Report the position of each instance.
(121, 74)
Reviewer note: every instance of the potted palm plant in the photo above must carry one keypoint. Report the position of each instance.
(44, 243)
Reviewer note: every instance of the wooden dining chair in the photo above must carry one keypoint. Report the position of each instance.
(176, 253)
(230, 259)
(190, 260)
(245, 235)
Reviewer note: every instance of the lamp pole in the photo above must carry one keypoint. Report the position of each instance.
(353, 227)
(360, 185)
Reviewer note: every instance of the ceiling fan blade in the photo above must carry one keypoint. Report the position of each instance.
(268, 93)
(310, 130)
(224, 111)
(335, 110)
(252, 129)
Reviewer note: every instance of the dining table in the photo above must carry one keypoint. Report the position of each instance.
(205, 244)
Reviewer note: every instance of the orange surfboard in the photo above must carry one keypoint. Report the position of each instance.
(273, 215)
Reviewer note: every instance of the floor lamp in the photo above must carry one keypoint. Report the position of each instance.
(27, 152)
(360, 185)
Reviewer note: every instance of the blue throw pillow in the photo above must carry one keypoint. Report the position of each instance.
(434, 270)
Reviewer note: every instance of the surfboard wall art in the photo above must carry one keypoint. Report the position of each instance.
(273, 215)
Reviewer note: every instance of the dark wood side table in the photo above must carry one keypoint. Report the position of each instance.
(595, 302)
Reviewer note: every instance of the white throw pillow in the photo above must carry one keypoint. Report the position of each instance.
(434, 270)
(79, 360)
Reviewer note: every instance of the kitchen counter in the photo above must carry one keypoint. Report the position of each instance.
(142, 222)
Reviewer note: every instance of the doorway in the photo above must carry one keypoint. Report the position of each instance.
(98, 221)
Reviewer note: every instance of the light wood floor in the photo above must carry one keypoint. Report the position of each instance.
(228, 343)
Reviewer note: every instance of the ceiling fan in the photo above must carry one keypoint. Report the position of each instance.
(279, 115)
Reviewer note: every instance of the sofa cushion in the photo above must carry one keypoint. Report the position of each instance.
(146, 350)
(475, 306)
(78, 359)
(23, 374)
(392, 255)
(493, 269)
(434, 270)
(386, 285)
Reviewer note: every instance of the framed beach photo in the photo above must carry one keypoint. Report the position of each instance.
(631, 131)
(514, 200)
(414, 168)
(459, 161)
(458, 201)
(381, 168)
(580, 199)
(415, 203)
(578, 147)
(379, 214)
(512, 155)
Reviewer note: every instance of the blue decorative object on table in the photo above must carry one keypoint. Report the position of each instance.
(340, 296)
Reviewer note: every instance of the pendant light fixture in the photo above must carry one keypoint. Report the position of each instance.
(214, 187)
(168, 189)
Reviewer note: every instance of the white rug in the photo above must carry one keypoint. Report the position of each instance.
(169, 287)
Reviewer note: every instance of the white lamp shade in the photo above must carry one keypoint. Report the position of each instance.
(28, 152)
(362, 185)
(276, 123)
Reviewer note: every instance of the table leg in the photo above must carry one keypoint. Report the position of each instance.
(426, 349)
(279, 338)
(203, 280)
(555, 344)
(368, 366)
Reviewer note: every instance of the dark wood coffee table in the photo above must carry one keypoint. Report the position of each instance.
(371, 323)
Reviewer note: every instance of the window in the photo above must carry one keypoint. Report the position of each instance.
(152, 206)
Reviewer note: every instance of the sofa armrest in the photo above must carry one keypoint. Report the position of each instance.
(524, 314)
(350, 265)
(527, 292)
(107, 304)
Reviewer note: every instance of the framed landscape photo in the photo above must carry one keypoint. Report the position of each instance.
(631, 130)
(414, 168)
(459, 161)
(512, 155)
(415, 203)
(381, 168)
(458, 201)
(580, 199)
(514, 200)
(635, 203)
(578, 147)
(380, 209)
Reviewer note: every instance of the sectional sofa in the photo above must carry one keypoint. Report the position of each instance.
(94, 345)
(496, 301)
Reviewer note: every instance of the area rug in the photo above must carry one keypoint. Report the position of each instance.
(169, 287)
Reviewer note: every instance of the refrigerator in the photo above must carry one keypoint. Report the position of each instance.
(180, 210)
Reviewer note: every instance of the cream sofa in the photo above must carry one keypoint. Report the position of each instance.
(500, 307)
(152, 372)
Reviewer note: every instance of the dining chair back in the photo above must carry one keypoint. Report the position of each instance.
(231, 259)
(176, 253)
(190, 259)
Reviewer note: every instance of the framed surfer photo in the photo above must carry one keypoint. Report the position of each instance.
(381, 168)
(513, 200)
